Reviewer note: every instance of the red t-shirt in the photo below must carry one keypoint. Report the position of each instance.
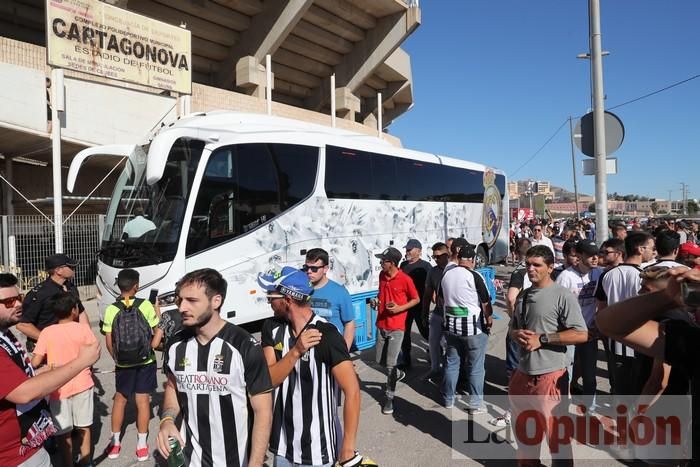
(12, 376)
(400, 290)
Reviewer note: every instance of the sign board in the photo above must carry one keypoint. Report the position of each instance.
(126, 115)
(521, 214)
(584, 137)
(25, 109)
(610, 166)
(100, 39)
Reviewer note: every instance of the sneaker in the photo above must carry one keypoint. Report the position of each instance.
(477, 410)
(142, 454)
(400, 375)
(450, 404)
(502, 421)
(113, 450)
(388, 407)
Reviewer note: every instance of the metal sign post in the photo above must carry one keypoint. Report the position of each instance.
(601, 193)
(57, 105)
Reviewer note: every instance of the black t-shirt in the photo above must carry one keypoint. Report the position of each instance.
(34, 306)
(682, 345)
(679, 380)
(418, 272)
(517, 277)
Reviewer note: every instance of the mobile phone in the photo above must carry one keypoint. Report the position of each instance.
(153, 296)
(690, 293)
(390, 305)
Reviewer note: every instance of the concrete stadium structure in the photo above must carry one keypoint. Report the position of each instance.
(358, 41)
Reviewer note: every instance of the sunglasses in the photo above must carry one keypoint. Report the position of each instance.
(272, 297)
(437, 257)
(11, 301)
(306, 268)
(607, 252)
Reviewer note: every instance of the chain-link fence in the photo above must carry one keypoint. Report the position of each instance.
(28, 240)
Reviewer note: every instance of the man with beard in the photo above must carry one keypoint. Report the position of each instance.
(216, 371)
(308, 362)
(24, 414)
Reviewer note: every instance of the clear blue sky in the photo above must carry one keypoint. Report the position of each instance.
(494, 79)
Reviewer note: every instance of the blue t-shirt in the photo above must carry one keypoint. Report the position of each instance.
(332, 302)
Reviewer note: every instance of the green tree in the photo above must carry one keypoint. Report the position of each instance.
(693, 207)
(591, 207)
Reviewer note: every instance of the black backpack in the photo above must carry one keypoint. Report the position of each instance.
(131, 334)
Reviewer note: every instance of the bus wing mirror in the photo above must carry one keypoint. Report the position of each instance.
(116, 150)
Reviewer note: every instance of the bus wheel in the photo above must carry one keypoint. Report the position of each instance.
(482, 259)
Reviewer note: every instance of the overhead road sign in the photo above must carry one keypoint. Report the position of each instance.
(614, 134)
(610, 166)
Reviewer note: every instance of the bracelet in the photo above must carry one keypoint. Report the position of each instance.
(169, 412)
(165, 419)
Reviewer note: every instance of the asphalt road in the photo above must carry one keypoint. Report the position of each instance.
(419, 433)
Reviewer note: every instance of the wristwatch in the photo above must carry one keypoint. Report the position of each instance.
(544, 339)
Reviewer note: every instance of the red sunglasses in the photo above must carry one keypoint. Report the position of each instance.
(11, 301)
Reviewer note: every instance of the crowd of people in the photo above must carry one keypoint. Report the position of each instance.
(231, 399)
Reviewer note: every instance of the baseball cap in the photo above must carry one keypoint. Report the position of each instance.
(689, 248)
(586, 247)
(390, 254)
(682, 224)
(289, 281)
(413, 243)
(58, 260)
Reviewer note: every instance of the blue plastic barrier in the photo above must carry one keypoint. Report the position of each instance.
(489, 274)
(365, 320)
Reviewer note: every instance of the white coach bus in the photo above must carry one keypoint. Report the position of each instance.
(246, 193)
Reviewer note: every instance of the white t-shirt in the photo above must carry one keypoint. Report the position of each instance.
(542, 241)
(582, 285)
(138, 226)
(669, 263)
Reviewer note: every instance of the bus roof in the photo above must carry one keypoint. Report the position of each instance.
(240, 123)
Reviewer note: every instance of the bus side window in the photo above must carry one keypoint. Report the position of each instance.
(246, 185)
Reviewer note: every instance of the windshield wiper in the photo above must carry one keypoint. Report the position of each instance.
(130, 252)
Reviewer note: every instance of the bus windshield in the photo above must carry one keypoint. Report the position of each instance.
(144, 221)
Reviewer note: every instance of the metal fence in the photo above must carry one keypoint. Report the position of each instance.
(28, 240)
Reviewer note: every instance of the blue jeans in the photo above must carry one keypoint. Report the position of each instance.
(469, 351)
(586, 358)
(435, 339)
(512, 356)
(283, 462)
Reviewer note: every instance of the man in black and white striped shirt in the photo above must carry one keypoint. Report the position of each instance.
(468, 320)
(615, 285)
(215, 369)
(308, 361)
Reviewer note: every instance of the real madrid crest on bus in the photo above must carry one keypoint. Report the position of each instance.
(492, 215)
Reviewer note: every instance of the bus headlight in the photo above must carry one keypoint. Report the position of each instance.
(167, 299)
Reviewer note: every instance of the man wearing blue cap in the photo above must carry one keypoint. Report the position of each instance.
(308, 361)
